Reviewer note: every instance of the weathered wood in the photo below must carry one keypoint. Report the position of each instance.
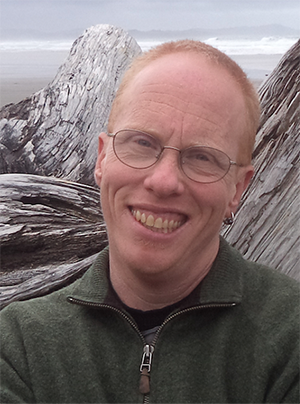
(267, 226)
(55, 132)
(50, 231)
(40, 281)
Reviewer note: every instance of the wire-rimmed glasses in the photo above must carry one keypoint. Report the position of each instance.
(140, 150)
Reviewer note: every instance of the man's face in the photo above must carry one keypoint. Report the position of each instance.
(184, 101)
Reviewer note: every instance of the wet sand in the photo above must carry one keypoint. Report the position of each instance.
(13, 90)
(257, 67)
(24, 73)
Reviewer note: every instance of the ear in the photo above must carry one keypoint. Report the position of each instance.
(101, 155)
(244, 176)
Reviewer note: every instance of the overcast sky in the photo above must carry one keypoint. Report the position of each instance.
(64, 15)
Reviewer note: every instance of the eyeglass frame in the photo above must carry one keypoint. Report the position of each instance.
(231, 163)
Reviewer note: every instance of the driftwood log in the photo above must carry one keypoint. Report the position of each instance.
(267, 226)
(55, 132)
(50, 232)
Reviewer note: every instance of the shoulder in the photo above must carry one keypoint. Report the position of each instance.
(36, 311)
(266, 294)
(271, 299)
(270, 285)
(259, 276)
(55, 304)
(41, 315)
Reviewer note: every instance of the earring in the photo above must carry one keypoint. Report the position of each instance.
(229, 220)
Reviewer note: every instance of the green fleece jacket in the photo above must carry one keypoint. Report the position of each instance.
(236, 342)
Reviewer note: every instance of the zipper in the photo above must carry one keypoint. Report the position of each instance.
(148, 350)
(145, 369)
(107, 306)
(172, 316)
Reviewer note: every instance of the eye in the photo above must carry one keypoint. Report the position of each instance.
(199, 155)
(131, 142)
(143, 141)
(202, 156)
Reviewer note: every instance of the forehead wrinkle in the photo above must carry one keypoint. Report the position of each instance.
(163, 107)
(186, 106)
(171, 100)
(200, 135)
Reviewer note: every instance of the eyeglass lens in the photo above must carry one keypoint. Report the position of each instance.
(200, 163)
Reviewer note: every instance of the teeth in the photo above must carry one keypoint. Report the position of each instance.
(143, 218)
(158, 224)
(165, 224)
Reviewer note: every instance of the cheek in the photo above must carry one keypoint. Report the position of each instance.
(112, 170)
(215, 197)
(117, 183)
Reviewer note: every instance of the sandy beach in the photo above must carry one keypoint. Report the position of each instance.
(26, 72)
(258, 67)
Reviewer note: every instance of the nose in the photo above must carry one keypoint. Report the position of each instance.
(165, 177)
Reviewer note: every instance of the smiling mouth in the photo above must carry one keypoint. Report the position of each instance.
(156, 223)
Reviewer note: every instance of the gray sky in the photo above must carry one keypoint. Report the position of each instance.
(64, 15)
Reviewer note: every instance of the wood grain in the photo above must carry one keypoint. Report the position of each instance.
(55, 132)
(267, 226)
(50, 232)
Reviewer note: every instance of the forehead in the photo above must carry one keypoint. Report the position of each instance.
(181, 90)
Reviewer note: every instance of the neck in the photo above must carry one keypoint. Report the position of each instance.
(149, 290)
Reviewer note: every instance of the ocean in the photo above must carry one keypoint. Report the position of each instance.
(247, 46)
(27, 66)
(256, 56)
(263, 46)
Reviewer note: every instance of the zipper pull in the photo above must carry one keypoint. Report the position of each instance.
(145, 369)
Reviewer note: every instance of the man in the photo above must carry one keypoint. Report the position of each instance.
(169, 312)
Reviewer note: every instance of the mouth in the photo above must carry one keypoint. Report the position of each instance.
(165, 223)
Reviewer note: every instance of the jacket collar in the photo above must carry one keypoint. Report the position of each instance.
(223, 284)
(224, 281)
